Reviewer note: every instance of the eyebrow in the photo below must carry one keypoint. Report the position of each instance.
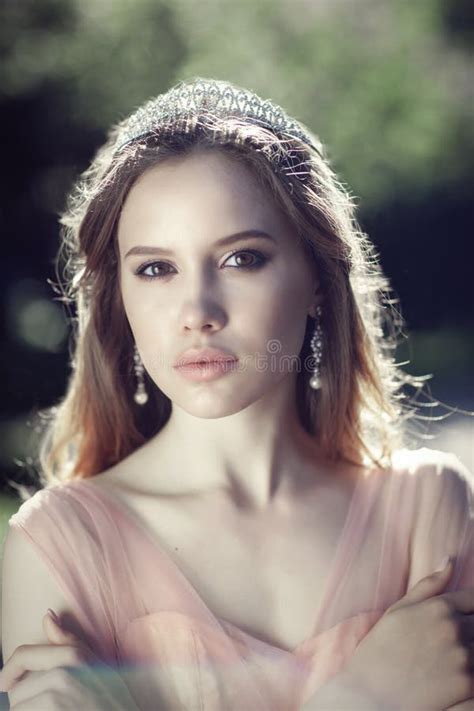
(229, 239)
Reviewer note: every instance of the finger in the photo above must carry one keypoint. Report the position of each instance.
(56, 633)
(461, 600)
(467, 705)
(35, 683)
(52, 622)
(430, 586)
(466, 627)
(39, 702)
(45, 700)
(41, 657)
(82, 687)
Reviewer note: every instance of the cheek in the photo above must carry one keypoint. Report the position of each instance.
(278, 326)
(139, 296)
(139, 311)
(284, 305)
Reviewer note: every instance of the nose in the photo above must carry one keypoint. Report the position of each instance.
(202, 315)
(202, 304)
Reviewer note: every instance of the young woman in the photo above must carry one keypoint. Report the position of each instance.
(230, 518)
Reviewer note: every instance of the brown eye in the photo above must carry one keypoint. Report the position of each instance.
(258, 258)
(159, 270)
(153, 269)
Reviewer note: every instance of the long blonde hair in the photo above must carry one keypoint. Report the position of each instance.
(359, 414)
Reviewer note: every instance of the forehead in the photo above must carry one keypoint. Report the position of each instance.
(205, 187)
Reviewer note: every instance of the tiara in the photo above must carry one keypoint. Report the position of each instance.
(218, 98)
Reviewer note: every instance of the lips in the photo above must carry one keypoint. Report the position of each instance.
(203, 355)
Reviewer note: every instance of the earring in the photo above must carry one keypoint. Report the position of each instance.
(141, 395)
(317, 349)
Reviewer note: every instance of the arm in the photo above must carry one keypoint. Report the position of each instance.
(444, 520)
(52, 559)
(443, 525)
(35, 650)
(28, 589)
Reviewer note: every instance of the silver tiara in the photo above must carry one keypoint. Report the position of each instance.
(187, 99)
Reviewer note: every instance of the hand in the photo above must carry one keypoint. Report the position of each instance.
(417, 656)
(340, 693)
(65, 674)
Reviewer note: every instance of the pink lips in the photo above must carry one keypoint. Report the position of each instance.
(202, 364)
(203, 355)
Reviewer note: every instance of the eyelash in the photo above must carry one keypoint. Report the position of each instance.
(262, 259)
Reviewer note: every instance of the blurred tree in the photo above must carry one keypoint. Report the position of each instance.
(378, 82)
(386, 85)
(103, 58)
(458, 20)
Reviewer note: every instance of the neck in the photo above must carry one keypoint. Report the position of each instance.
(260, 456)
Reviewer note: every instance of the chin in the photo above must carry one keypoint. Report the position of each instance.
(210, 405)
(210, 400)
(207, 407)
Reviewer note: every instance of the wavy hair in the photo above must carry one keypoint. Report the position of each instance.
(359, 416)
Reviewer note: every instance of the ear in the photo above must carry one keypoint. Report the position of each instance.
(318, 300)
(317, 296)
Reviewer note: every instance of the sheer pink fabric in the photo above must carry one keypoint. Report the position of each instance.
(139, 612)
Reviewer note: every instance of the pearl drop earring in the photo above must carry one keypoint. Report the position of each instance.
(317, 349)
(141, 395)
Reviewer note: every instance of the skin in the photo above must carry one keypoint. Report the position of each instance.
(39, 676)
(399, 683)
(242, 428)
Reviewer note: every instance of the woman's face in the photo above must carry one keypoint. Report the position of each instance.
(182, 287)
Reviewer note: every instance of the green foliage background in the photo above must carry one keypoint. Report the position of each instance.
(386, 84)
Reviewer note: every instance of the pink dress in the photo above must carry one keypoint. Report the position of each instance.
(138, 611)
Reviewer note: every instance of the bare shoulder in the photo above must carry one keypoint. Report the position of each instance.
(137, 475)
(441, 499)
(425, 458)
(436, 473)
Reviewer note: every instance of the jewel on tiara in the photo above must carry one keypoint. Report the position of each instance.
(219, 98)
